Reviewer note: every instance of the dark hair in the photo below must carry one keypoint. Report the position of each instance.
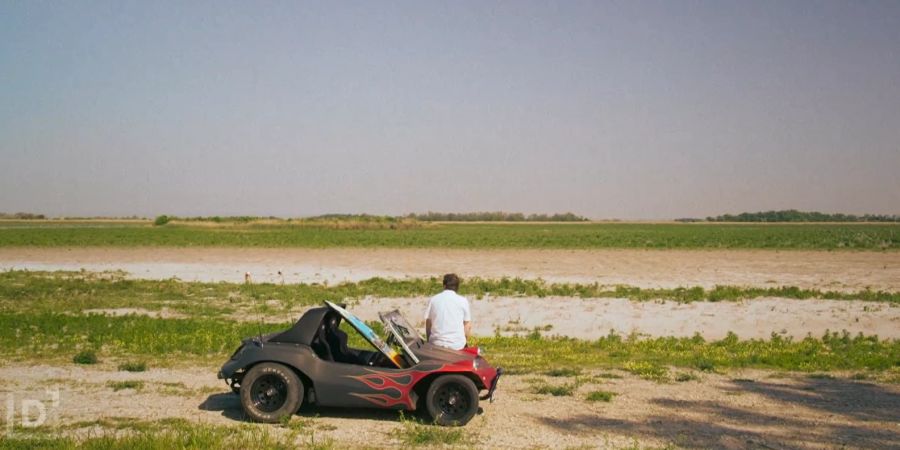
(451, 281)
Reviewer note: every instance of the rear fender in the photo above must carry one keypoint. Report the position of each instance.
(295, 356)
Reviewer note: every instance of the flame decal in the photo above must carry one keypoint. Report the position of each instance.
(399, 383)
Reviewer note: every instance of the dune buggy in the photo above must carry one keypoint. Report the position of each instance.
(311, 363)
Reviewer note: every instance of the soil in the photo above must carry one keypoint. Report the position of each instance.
(594, 318)
(748, 409)
(825, 270)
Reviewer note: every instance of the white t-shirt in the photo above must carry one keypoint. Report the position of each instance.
(447, 311)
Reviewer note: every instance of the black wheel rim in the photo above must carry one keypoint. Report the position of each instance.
(268, 393)
(453, 401)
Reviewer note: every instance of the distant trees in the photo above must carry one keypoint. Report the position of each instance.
(22, 216)
(792, 215)
(496, 216)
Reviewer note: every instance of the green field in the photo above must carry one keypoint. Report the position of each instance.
(452, 235)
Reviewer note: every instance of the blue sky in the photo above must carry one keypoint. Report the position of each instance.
(634, 110)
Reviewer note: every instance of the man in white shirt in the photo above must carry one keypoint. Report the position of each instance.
(448, 321)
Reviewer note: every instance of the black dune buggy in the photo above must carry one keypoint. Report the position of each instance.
(311, 363)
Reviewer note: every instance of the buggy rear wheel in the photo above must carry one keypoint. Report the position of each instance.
(270, 391)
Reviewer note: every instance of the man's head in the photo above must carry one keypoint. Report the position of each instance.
(451, 282)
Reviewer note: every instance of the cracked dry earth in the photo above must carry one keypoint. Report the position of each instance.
(740, 409)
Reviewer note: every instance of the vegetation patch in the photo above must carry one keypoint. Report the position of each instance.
(682, 377)
(85, 357)
(648, 371)
(160, 435)
(26, 291)
(414, 433)
(600, 396)
(127, 384)
(44, 335)
(133, 366)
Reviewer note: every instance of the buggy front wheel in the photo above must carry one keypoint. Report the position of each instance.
(452, 400)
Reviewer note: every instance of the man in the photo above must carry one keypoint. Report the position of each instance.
(448, 321)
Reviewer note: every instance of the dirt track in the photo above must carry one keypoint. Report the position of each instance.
(844, 270)
(751, 409)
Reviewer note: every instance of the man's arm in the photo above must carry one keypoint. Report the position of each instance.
(467, 319)
(427, 329)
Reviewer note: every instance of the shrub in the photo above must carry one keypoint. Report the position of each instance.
(85, 357)
(133, 366)
(681, 377)
(161, 220)
(600, 396)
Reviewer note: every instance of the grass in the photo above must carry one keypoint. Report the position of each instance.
(648, 370)
(414, 433)
(41, 317)
(127, 384)
(600, 396)
(45, 335)
(319, 234)
(78, 291)
(160, 435)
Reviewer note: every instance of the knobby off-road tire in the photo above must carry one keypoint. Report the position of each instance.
(270, 391)
(452, 400)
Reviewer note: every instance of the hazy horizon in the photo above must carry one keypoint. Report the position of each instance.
(634, 110)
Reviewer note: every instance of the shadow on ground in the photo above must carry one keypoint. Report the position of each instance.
(807, 413)
(230, 406)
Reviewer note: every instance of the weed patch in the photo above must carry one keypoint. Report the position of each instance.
(127, 384)
(600, 396)
(414, 433)
(85, 357)
(133, 366)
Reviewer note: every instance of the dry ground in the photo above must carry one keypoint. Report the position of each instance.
(749, 409)
(837, 270)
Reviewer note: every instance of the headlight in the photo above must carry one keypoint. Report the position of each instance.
(476, 363)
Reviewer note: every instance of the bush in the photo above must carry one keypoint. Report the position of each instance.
(133, 366)
(161, 220)
(600, 396)
(85, 357)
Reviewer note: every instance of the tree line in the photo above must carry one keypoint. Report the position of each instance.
(792, 215)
